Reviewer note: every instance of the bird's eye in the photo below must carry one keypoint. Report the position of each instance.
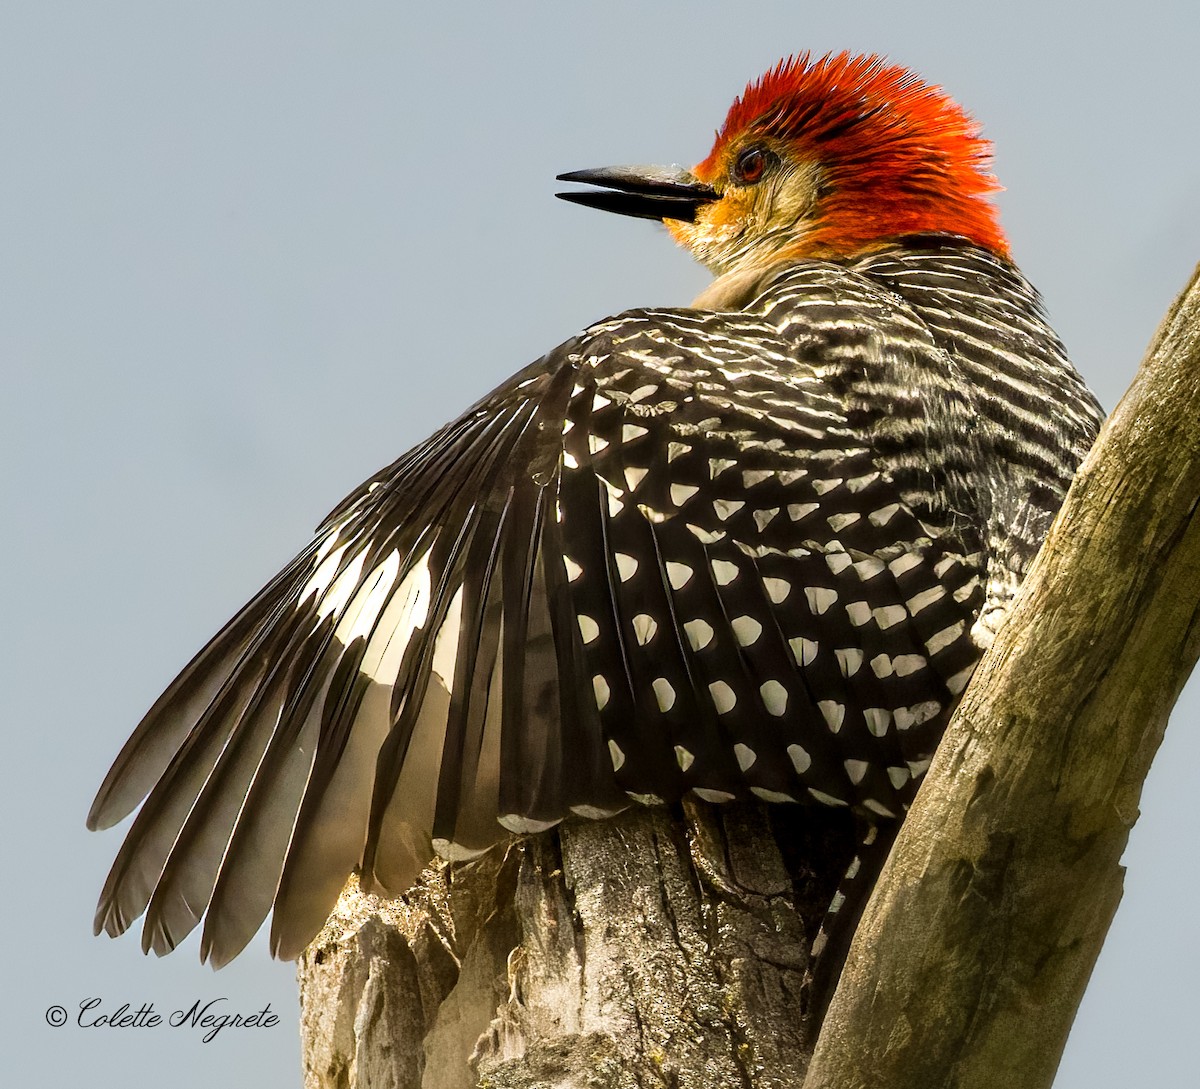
(750, 166)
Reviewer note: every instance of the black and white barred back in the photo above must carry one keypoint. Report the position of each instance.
(753, 553)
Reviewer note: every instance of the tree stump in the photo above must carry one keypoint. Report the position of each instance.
(663, 947)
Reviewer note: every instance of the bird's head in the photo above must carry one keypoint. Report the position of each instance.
(824, 158)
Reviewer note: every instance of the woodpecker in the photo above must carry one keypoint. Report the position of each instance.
(749, 548)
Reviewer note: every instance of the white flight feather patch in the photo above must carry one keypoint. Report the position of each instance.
(405, 612)
(334, 599)
(324, 573)
(363, 610)
(331, 538)
(445, 646)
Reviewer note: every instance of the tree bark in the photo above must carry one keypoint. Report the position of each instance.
(669, 947)
(659, 948)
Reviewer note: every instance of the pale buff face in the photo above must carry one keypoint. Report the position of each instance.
(752, 225)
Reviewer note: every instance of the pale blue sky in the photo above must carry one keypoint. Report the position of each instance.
(251, 251)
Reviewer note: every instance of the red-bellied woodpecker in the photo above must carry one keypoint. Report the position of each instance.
(752, 547)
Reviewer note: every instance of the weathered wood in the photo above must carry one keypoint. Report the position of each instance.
(977, 944)
(658, 948)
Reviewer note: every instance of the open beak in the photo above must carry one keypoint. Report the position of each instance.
(649, 192)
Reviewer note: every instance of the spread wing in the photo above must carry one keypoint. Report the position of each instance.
(687, 550)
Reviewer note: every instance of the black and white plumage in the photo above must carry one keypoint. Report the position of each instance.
(748, 552)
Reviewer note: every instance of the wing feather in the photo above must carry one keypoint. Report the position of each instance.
(732, 553)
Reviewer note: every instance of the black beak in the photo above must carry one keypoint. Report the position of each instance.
(649, 192)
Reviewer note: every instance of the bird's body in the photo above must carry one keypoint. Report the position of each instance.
(752, 547)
